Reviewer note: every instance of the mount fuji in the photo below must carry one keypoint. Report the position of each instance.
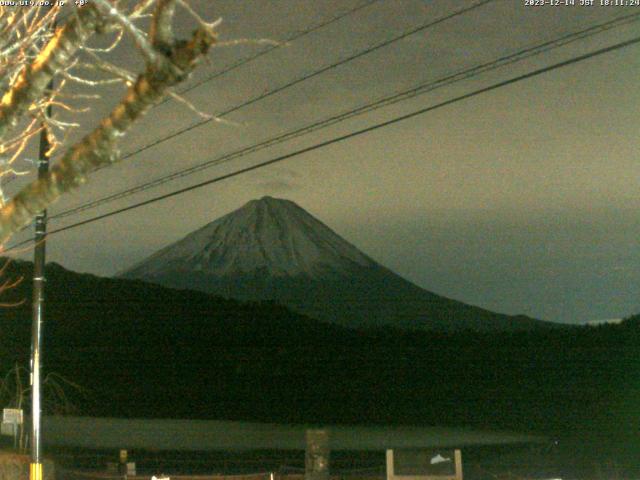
(272, 249)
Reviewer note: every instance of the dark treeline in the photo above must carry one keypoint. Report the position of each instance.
(145, 351)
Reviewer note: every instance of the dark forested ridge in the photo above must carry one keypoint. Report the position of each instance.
(147, 351)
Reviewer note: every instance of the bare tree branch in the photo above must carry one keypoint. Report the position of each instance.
(99, 148)
(161, 25)
(111, 11)
(140, 9)
(34, 79)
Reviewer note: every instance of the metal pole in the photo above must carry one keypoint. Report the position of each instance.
(35, 471)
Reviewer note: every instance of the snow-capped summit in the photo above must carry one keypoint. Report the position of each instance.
(271, 249)
(270, 235)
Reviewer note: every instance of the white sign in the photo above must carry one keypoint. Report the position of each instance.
(8, 429)
(12, 415)
(439, 459)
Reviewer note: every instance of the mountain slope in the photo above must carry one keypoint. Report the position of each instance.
(271, 236)
(271, 249)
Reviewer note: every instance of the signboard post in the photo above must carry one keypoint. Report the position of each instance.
(122, 466)
(317, 455)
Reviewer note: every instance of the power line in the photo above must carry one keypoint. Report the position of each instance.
(368, 107)
(292, 38)
(244, 61)
(348, 136)
(303, 78)
(240, 63)
(307, 76)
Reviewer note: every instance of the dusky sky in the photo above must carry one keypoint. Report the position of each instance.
(521, 200)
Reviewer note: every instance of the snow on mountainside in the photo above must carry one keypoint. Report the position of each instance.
(270, 235)
(271, 249)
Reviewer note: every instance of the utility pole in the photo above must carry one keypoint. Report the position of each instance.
(35, 470)
(38, 313)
